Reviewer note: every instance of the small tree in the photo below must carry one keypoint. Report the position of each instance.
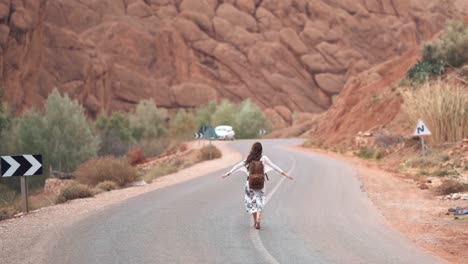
(62, 134)
(147, 121)
(205, 113)
(68, 135)
(250, 120)
(451, 47)
(225, 114)
(183, 125)
(115, 134)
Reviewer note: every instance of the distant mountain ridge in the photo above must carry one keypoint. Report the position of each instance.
(283, 54)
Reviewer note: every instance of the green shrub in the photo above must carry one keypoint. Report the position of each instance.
(249, 120)
(423, 70)
(204, 114)
(225, 114)
(115, 134)
(107, 186)
(451, 47)
(246, 119)
(154, 147)
(183, 125)
(147, 121)
(107, 168)
(7, 213)
(62, 134)
(75, 191)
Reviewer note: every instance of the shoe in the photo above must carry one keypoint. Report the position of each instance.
(257, 225)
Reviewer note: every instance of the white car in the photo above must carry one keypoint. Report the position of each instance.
(225, 132)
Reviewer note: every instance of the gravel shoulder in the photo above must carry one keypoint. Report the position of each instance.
(414, 212)
(23, 239)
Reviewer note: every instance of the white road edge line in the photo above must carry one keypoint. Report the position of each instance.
(254, 236)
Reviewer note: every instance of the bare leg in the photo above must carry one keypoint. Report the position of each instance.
(254, 217)
(258, 216)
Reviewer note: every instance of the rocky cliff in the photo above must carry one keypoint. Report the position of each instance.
(288, 55)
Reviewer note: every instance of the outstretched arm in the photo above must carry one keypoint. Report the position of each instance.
(235, 168)
(276, 168)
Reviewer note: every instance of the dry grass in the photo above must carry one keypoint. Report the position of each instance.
(42, 199)
(451, 186)
(160, 170)
(7, 213)
(107, 186)
(102, 169)
(443, 108)
(181, 162)
(75, 191)
(209, 152)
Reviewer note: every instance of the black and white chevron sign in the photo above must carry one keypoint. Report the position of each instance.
(24, 165)
(198, 135)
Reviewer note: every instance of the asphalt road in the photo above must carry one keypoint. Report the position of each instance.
(320, 217)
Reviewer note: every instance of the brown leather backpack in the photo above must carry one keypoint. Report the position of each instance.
(256, 175)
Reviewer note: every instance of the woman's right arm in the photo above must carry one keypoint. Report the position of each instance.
(235, 168)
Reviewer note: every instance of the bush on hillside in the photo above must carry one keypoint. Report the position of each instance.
(422, 71)
(75, 191)
(451, 47)
(443, 108)
(147, 121)
(103, 169)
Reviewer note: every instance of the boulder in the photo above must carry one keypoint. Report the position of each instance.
(193, 94)
(330, 83)
(139, 9)
(237, 17)
(289, 37)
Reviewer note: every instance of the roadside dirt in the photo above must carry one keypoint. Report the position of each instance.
(32, 231)
(415, 213)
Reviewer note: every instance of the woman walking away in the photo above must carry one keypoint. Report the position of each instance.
(255, 186)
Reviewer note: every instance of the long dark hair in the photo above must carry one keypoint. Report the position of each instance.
(255, 153)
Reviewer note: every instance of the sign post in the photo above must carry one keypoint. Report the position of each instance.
(24, 194)
(23, 165)
(421, 131)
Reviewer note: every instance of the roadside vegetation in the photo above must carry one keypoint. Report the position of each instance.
(435, 91)
(449, 51)
(101, 154)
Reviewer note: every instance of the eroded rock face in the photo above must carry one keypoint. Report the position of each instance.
(290, 55)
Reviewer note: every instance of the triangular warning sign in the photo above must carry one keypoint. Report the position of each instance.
(421, 129)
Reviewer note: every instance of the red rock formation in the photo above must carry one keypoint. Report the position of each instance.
(293, 54)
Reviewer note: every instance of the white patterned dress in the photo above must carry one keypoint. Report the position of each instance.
(255, 199)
